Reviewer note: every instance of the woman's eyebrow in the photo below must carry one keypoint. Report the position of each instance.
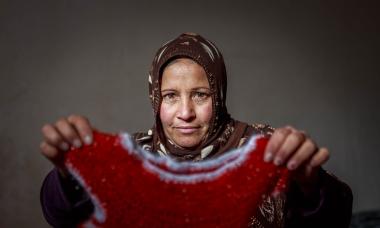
(169, 90)
(192, 89)
(200, 88)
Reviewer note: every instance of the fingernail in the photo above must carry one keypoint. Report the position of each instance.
(268, 157)
(278, 161)
(64, 146)
(77, 143)
(87, 140)
(291, 165)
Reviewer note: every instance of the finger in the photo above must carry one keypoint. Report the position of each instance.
(320, 158)
(82, 125)
(52, 154)
(292, 129)
(53, 137)
(292, 142)
(275, 143)
(68, 132)
(304, 154)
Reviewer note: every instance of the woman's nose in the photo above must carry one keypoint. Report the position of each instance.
(186, 110)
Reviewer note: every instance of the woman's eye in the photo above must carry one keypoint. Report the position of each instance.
(170, 97)
(200, 96)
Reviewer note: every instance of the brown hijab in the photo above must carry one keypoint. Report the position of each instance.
(224, 133)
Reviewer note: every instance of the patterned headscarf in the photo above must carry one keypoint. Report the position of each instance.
(224, 132)
(205, 53)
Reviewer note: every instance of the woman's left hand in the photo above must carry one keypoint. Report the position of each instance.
(298, 152)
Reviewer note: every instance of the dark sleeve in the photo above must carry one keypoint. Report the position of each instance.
(331, 206)
(64, 203)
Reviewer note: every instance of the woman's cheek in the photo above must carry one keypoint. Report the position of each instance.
(166, 115)
(205, 113)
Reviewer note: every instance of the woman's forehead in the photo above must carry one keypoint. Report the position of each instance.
(181, 60)
(184, 75)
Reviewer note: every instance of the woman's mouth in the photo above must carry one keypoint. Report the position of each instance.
(187, 129)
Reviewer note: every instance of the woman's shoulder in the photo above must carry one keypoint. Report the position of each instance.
(256, 129)
(245, 131)
(263, 129)
(143, 139)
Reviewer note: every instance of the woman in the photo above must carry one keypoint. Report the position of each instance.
(187, 85)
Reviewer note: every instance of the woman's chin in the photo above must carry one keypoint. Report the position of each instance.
(188, 143)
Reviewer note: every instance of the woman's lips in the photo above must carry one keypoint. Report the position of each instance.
(186, 129)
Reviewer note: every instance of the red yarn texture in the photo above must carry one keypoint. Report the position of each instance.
(132, 188)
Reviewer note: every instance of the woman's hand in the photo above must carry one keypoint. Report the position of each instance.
(74, 131)
(296, 150)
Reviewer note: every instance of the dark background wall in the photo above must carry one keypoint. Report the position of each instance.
(311, 64)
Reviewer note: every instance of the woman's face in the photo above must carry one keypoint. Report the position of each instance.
(186, 107)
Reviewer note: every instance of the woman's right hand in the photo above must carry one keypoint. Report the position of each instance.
(74, 130)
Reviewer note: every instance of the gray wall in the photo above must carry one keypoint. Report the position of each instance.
(313, 65)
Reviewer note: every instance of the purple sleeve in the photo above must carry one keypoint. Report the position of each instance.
(64, 203)
(331, 206)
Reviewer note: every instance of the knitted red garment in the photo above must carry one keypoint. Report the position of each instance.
(131, 187)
